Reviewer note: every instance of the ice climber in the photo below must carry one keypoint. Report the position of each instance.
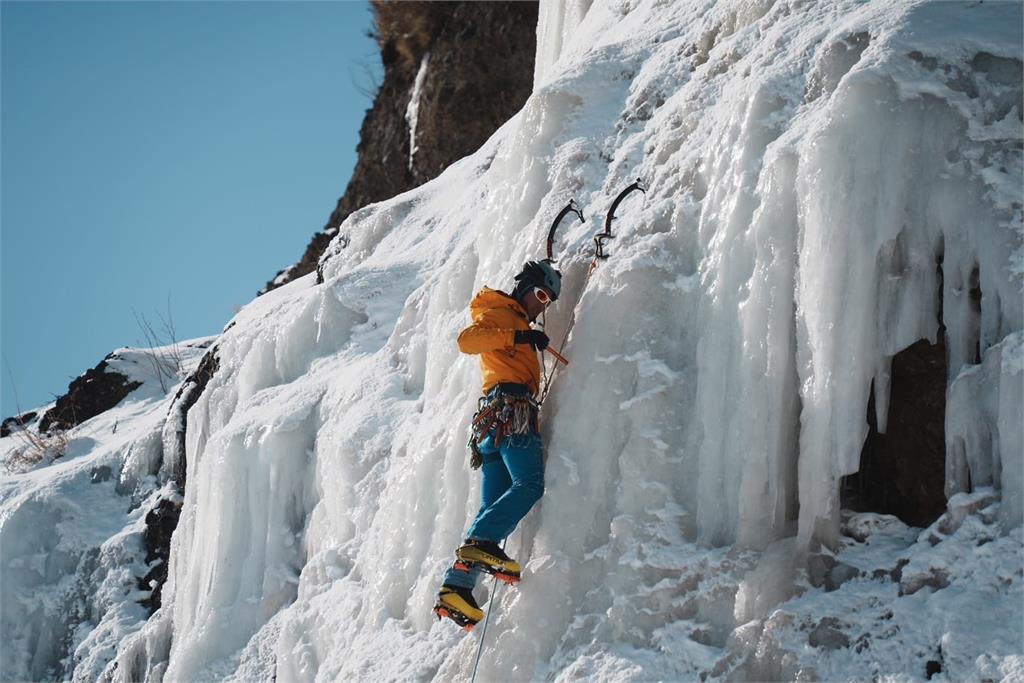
(505, 442)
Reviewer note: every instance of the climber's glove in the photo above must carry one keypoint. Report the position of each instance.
(535, 338)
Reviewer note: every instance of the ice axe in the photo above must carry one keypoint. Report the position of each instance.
(559, 357)
(571, 207)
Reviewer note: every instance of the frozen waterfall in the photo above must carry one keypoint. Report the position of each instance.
(829, 183)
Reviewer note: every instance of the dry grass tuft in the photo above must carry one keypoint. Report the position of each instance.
(35, 447)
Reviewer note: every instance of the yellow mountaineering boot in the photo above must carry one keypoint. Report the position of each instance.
(488, 557)
(458, 604)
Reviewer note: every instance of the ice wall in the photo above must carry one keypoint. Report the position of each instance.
(556, 24)
(984, 430)
(810, 171)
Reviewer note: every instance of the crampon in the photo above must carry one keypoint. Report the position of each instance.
(458, 604)
(488, 558)
(445, 611)
(501, 574)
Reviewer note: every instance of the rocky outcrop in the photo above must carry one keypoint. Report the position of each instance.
(162, 518)
(17, 422)
(97, 391)
(177, 423)
(453, 73)
(161, 521)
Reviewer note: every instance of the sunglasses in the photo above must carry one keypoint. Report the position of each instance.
(542, 295)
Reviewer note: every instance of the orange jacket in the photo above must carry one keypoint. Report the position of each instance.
(496, 317)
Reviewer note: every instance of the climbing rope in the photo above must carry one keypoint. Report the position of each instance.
(483, 634)
(549, 374)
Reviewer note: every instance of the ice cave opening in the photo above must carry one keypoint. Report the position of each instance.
(902, 467)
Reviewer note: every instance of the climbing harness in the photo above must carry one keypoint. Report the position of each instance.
(506, 409)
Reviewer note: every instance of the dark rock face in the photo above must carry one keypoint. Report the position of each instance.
(13, 424)
(479, 59)
(902, 471)
(162, 518)
(98, 390)
(161, 521)
(191, 389)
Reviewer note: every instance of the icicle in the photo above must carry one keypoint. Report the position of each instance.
(883, 381)
(412, 112)
(983, 429)
(557, 20)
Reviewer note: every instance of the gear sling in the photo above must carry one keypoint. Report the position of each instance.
(507, 409)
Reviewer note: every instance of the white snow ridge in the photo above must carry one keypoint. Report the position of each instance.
(810, 165)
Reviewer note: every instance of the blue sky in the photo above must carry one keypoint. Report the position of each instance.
(162, 151)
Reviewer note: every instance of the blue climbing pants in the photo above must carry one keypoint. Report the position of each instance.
(513, 480)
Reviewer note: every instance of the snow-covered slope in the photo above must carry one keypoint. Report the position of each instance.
(810, 165)
(71, 529)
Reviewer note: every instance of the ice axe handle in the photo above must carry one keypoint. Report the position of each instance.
(559, 357)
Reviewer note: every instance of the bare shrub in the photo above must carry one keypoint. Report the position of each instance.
(33, 446)
(164, 352)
